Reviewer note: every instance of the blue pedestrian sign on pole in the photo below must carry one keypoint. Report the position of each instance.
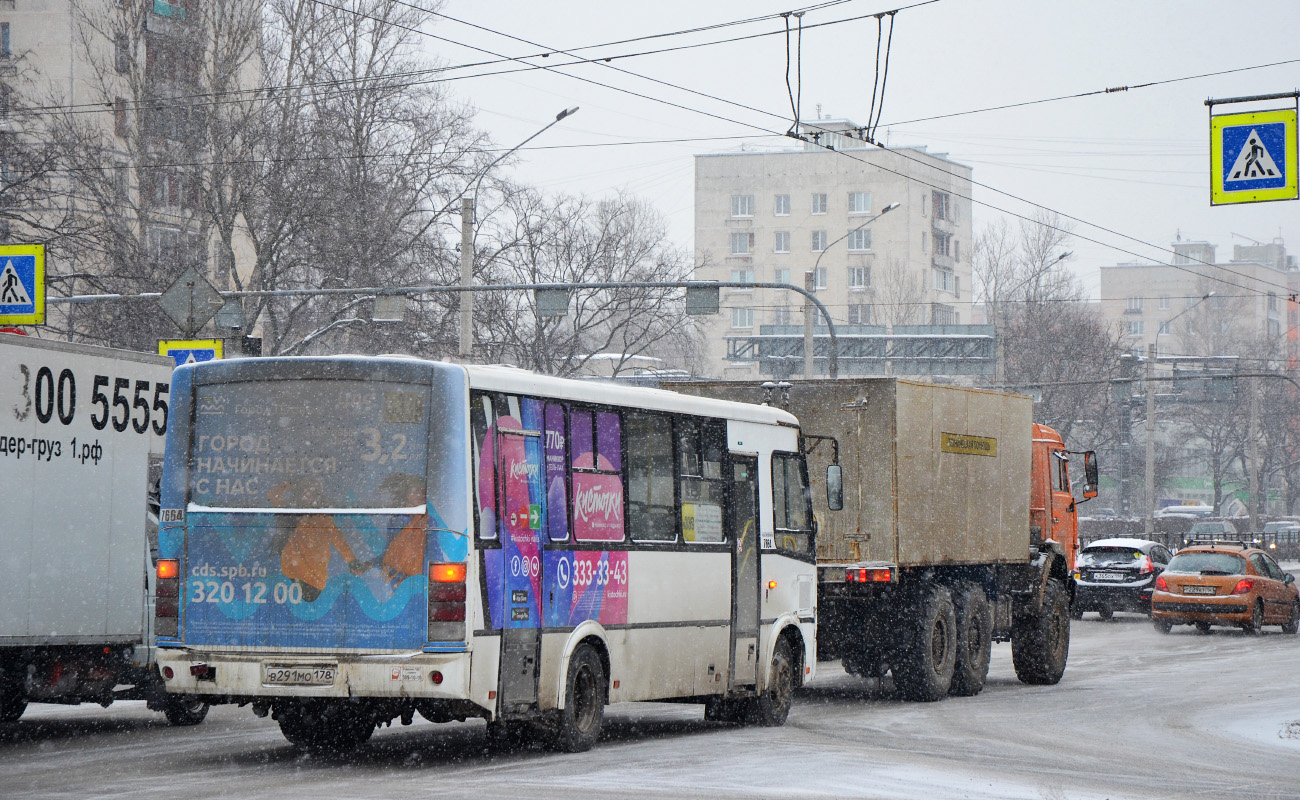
(22, 284)
(1253, 157)
(190, 351)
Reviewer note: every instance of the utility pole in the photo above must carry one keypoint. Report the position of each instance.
(466, 276)
(1252, 455)
(810, 284)
(1150, 476)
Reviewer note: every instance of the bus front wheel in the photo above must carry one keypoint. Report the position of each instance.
(584, 702)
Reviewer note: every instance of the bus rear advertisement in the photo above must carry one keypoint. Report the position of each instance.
(347, 541)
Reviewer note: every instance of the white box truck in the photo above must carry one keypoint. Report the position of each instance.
(80, 429)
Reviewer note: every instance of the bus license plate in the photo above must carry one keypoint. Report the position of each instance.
(1199, 590)
(299, 674)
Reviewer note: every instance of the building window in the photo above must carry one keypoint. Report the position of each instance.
(818, 241)
(742, 205)
(5, 51)
(1272, 302)
(6, 100)
(859, 202)
(781, 242)
(942, 205)
(1165, 327)
(819, 278)
(1274, 328)
(781, 315)
(119, 116)
(956, 250)
(945, 281)
(742, 317)
(742, 244)
(923, 243)
(860, 239)
(1217, 301)
(859, 314)
(782, 275)
(742, 276)
(782, 206)
(924, 197)
(119, 180)
(1164, 302)
(941, 314)
(121, 53)
(819, 204)
(1135, 305)
(1136, 328)
(859, 277)
(942, 243)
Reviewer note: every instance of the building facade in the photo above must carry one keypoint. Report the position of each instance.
(775, 216)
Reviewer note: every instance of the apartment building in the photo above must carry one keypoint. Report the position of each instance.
(1182, 307)
(772, 216)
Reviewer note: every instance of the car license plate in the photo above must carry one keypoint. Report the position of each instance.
(1199, 590)
(1108, 576)
(299, 674)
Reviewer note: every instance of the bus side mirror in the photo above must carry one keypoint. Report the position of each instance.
(834, 487)
(1090, 474)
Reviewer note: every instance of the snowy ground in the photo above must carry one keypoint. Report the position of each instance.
(1138, 715)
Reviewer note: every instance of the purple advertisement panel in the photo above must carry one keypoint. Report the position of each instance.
(514, 572)
(597, 507)
(557, 513)
(587, 585)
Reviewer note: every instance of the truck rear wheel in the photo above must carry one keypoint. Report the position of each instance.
(923, 671)
(184, 710)
(1040, 641)
(974, 641)
(12, 706)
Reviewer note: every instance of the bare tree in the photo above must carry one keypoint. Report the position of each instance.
(576, 240)
(898, 295)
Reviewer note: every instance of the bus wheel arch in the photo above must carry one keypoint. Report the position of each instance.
(593, 635)
(789, 632)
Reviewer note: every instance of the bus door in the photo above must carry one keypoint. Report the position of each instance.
(520, 521)
(745, 609)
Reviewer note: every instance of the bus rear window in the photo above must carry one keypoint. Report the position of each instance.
(309, 444)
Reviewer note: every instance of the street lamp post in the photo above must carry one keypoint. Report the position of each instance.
(467, 207)
(810, 283)
(1153, 351)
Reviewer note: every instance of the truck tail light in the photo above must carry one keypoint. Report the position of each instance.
(167, 603)
(1244, 585)
(447, 593)
(868, 575)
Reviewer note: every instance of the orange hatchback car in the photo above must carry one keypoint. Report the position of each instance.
(1225, 584)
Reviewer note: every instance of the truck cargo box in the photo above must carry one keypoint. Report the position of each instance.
(78, 425)
(933, 475)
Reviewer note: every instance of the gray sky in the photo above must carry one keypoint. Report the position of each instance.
(1133, 162)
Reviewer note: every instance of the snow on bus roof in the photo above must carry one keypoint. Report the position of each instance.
(513, 379)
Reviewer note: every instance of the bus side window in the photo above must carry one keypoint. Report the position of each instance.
(481, 426)
(701, 490)
(650, 478)
(556, 458)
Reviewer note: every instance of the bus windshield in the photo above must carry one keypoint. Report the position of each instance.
(321, 444)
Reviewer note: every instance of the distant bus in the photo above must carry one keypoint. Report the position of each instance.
(347, 541)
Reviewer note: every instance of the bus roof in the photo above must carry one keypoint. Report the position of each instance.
(513, 379)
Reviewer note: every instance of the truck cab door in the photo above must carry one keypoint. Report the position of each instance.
(1063, 516)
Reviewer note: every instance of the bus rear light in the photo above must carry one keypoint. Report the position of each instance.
(168, 673)
(168, 569)
(436, 677)
(868, 575)
(447, 593)
(167, 603)
(446, 573)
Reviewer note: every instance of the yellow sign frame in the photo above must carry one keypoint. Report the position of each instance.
(1219, 195)
(968, 445)
(165, 346)
(37, 317)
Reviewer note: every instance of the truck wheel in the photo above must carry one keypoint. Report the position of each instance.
(773, 705)
(12, 707)
(584, 702)
(1040, 642)
(924, 669)
(331, 728)
(974, 641)
(184, 710)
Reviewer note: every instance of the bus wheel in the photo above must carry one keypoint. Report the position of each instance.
(1040, 640)
(924, 668)
(773, 705)
(974, 642)
(181, 710)
(584, 702)
(332, 728)
(12, 706)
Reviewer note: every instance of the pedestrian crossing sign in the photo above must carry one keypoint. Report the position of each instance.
(190, 351)
(22, 284)
(1253, 157)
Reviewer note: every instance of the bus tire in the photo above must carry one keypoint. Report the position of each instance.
(974, 641)
(773, 705)
(1040, 640)
(182, 710)
(584, 702)
(325, 728)
(924, 670)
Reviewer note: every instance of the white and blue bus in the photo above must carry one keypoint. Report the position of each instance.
(347, 541)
